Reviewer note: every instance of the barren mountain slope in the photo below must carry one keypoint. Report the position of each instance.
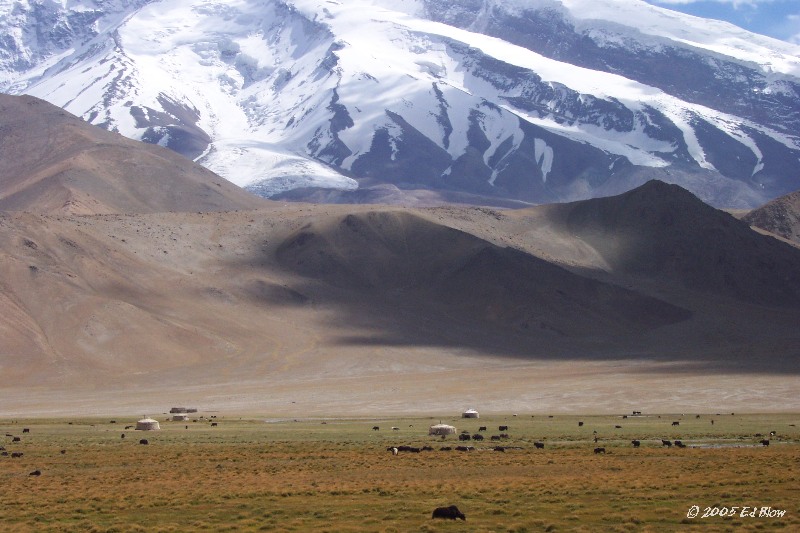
(353, 309)
(655, 234)
(780, 216)
(131, 294)
(393, 254)
(661, 230)
(54, 162)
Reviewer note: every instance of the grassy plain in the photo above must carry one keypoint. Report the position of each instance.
(254, 474)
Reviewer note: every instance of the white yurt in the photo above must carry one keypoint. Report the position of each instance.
(441, 429)
(470, 413)
(147, 424)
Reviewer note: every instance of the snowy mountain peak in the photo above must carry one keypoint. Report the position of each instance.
(532, 100)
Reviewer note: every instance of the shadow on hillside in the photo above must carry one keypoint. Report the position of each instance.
(396, 279)
(373, 318)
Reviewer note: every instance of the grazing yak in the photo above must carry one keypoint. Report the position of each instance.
(539, 445)
(36, 473)
(143, 441)
(599, 450)
(679, 444)
(676, 423)
(450, 513)
(765, 442)
(502, 428)
(666, 443)
(482, 428)
(636, 443)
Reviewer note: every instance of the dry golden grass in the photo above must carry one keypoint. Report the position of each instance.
(247, 475)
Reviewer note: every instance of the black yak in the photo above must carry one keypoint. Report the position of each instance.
(451, 512)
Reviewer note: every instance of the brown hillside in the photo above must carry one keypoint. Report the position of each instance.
(663, 231)
(138, 311)
(649, 300)
(54, 162)
(780, 216)
(397, 253)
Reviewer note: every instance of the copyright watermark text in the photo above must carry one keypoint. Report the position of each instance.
(741, 511)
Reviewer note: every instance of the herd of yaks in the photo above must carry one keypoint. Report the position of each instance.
(466, 436)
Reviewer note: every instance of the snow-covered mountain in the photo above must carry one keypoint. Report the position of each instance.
(533, 100)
